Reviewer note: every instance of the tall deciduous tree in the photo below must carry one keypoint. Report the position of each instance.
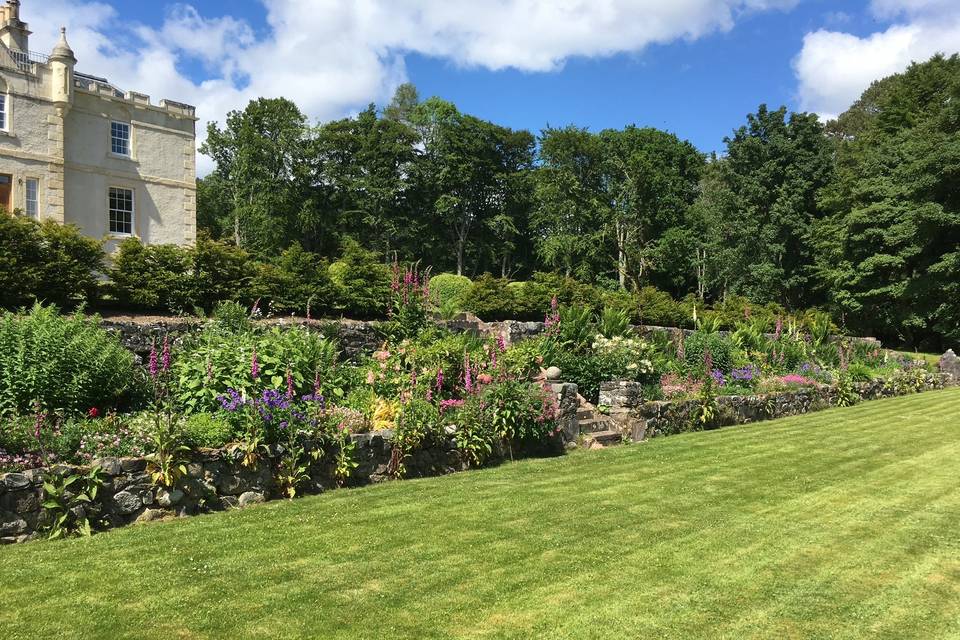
(363, 168)
(260, 157)
(464, 171)
(775, 166)
(889, 249)
(612, 195)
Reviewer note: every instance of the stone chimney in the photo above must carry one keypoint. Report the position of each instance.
(13, 31)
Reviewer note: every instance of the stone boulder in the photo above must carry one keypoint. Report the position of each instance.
(950, 364)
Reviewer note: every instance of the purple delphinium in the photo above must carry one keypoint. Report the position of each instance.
(274, 399)
(232, 400)
(746, 374)
(718, 377)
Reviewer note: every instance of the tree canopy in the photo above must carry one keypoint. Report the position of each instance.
(859, 216)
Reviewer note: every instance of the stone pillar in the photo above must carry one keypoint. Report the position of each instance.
(621, 394)
(567, 415)
(190, 193)
(950, 364)
(55, 170)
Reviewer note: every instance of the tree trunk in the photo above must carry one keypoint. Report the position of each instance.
(622, 256)
(701, 273)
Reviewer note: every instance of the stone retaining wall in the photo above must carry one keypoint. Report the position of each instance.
(216, 479)
(641, 420)
(355, 337)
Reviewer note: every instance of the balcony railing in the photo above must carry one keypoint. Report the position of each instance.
(26, 60)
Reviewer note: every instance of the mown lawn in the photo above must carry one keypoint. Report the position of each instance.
(841, 524)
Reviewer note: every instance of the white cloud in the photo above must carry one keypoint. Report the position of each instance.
(333, 56)
(834, 68)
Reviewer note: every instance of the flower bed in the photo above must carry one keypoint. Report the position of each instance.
(282, 401)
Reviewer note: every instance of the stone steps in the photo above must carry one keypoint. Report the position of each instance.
(603, 439)
(596, 429)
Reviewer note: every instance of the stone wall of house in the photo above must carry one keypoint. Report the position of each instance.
(641, 419)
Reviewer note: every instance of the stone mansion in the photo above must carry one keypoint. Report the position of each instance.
(75, 149)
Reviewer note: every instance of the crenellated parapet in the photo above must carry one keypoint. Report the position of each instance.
(103, 89)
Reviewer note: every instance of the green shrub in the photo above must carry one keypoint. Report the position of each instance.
(220, 272)
(362, 282)
(152, 278)
(207, 430)
(217, 360)
(788, 353)
(567, 291)
(418, 424)
(696, 347)
(859, 372)
(526, 358)
(47, 262)
(515, 414)
(296, 282)
(613, 322)
(490, 299)
(658, 308)
(64, 362)
(448, 288)
(606, 360)
(576, 327)
(531, 300)
(231, 317)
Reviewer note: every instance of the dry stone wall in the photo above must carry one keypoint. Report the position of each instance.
(356, 338)
(216, 479)
(641, 419)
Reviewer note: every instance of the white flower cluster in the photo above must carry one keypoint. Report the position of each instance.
(634, 350)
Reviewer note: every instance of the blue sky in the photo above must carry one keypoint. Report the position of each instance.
(694, 67)
(700, 90)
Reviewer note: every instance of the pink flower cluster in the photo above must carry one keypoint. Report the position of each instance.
(21, 461)
(793, 378)
(446, 405)
(159, 364)
(551, 323)
(408, 284)
(674, 385)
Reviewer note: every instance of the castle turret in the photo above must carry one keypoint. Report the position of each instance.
(62, 62)
(13, 31)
